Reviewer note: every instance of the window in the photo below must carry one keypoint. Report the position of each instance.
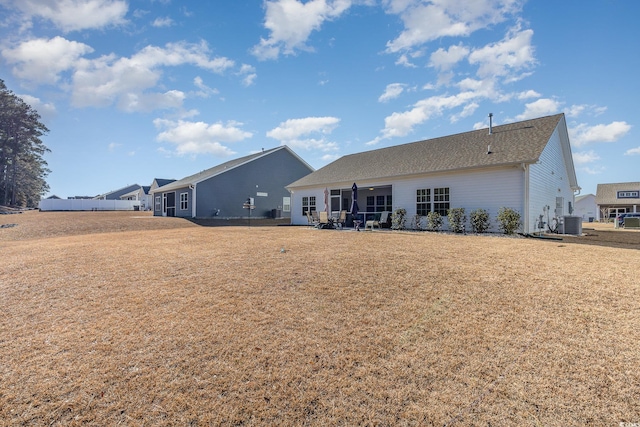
(308, 204)
(157, 203)
(371, 205)
(184, 201)
(286, 204)
(441, 200)
(628, 194)
(423, 201)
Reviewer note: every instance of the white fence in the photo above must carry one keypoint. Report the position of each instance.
(88, 205)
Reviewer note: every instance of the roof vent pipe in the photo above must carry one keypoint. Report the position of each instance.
(490, 123)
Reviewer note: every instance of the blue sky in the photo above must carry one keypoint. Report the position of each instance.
(133, 90)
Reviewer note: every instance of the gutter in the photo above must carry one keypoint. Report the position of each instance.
(192, 187)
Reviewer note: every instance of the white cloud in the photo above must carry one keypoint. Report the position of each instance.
(632, 152)
(427, 21)
(200, 137)
(147, 102)
(205, 91)
(444, 60)
(401, 124)
(162, 22)
(248, 73)
(102, 81)
(583, 134)
(404, 61)
(593, 171)
(580, 158)
(291, 22)
(578, 110)
(528, 94)
(541, 107)
(42, 60)
(467, 111)
(506, 58)
(392, 91)
(73, 15)
(298, 133)
(113, 146)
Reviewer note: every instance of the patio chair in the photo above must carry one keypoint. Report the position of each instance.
(384, 219)
(324, 219)
(342, 219)
(310, 220)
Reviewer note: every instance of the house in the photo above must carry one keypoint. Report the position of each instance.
(223, 191)
(586, 208)
(526, 166)
(115, 195)
(141, 194)
(159, 182)
(615, 198)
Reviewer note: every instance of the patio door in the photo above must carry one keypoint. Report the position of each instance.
(169, 204)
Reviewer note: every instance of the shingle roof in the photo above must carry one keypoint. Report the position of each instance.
(162, 181)
(607, 194)
(208, 173)
(513, 143)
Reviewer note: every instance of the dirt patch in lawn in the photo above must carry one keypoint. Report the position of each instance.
(117, 318)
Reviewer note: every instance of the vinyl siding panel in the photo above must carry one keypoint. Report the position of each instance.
(487, 189)
(549, 179)
(225, 193)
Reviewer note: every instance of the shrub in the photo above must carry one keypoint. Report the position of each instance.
(509, 220)
(479, 221)
(434, 221)
(398, 219)
(457, 218)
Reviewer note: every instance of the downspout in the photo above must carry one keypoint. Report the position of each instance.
(192, 187)
(525, 224)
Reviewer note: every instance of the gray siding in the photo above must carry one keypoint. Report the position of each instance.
(228, 191)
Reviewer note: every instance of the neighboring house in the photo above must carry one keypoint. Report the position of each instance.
(615, 198)
(115, 195)
(141, 194)
(586, 208)
(159, 182)
(53, 196)
(526, 166)
(221, 191)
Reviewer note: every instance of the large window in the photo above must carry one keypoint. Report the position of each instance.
(379, 203)
(441, 200)
(286, 204)
(157, 203)
(184, 201)
(423, 201)
(308, 204)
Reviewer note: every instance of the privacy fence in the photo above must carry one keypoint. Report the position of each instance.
(88, 205)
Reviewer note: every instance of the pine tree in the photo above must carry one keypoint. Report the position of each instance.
(23, 170)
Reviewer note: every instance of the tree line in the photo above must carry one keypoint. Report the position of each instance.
(23, 170)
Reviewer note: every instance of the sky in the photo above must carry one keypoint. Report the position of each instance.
(133, 90)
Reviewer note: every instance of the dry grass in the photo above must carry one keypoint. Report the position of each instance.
(110, 319)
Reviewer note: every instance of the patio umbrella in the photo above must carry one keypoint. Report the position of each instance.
(326, 200)
(354, 200)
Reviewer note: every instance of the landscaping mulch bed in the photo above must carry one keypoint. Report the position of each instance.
(120, 318)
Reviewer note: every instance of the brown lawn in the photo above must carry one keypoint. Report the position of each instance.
(125, 319)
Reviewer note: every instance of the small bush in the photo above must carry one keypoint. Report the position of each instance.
(509, 220)
(434, 221)
(398, 219)
(479, 221)
(416, 222)
(457, 218)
